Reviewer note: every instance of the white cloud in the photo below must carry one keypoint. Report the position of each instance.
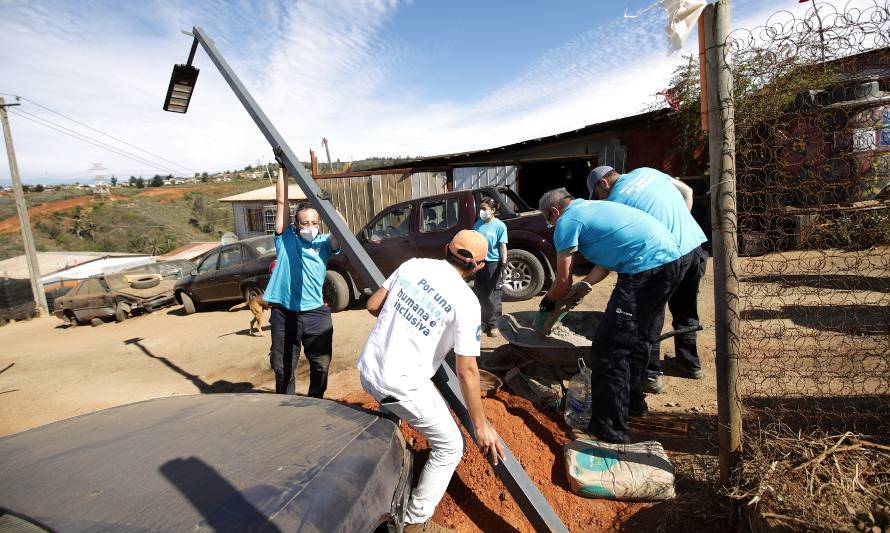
(318, 68)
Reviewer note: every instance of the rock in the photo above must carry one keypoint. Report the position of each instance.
(502, 496)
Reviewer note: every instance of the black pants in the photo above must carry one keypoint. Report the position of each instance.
(313, 330)
(684, 310)
(620, 348)
(487, 286)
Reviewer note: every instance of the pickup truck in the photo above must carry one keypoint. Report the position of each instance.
(423, 226)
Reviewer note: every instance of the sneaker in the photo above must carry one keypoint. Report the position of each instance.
(653, 385)
(492, 332)
(683, 370)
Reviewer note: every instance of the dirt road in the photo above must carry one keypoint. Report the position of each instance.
(61, 372)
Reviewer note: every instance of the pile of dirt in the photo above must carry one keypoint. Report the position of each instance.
(477, 500)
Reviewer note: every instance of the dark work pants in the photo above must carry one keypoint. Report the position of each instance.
(684, 311)
(313, 330)
(620, 348)
(487, 286)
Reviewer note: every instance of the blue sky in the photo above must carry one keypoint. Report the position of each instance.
(376, 77)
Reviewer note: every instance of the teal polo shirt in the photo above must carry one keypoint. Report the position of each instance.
(651, 191)
(299, 273)
(614, 236)
(495, 232)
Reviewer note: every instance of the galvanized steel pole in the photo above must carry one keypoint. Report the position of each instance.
(521, 487)
(24, 220)
(721, 141)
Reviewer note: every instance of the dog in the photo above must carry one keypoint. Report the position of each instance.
(257, 307)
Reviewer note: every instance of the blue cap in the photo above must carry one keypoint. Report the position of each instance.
(596, 175)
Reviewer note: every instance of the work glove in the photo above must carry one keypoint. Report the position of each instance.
(279, 155)
(499, 277)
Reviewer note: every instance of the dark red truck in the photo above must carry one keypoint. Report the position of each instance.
(423, 226)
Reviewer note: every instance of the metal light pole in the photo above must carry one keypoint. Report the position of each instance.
(22, 208)
(521, 487)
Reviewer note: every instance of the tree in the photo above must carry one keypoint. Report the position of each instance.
(140, 183)
(132, 181)
(113, 180)
(169, 177)
(39, 187)
(156, 181)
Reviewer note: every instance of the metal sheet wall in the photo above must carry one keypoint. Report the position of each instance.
(359, 198)
(466, 178)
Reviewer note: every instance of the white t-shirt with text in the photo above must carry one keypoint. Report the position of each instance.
(429, 311)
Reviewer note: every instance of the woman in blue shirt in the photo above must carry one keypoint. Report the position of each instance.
(299, 317)
(489, 280)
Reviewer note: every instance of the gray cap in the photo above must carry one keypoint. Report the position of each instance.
(596, 175)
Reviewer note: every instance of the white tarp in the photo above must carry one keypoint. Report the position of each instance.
(682, 18)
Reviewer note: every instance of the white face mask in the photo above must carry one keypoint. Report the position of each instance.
(484, 214)
(308, 234)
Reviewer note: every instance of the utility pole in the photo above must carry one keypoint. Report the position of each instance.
(721, 141)
(324, 142)
(22, 209)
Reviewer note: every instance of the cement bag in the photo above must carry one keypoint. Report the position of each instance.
(632, 472)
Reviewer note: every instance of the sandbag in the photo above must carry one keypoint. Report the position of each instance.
(630, 472)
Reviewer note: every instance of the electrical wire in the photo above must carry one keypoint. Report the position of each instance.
(174, 163)
(81, 137)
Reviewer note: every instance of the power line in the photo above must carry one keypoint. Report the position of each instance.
(81, 137)
(103, 133)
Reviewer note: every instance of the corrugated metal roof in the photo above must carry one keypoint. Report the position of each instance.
(649, 118)
(53, 262)
(294, 192)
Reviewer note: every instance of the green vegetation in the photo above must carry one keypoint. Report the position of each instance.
(136, 221)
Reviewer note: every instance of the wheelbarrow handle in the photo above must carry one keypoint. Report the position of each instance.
(680, 331)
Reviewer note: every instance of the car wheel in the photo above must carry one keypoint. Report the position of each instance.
(188, 303)
(146, 282)
(523, 275)
(335, 291)
(72, 320)
(120, 313)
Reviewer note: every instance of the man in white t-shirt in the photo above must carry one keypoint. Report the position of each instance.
(425, 309)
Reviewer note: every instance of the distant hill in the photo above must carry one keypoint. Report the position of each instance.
(151, 220)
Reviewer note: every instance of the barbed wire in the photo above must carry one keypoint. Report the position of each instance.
(812, 108)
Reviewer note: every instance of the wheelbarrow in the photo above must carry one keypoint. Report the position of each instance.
(567, 343)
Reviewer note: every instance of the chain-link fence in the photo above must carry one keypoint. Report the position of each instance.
(812, 110)
(812, 159)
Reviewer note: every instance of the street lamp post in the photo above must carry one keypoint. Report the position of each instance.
(514, 477)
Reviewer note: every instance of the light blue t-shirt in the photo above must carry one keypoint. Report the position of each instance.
(495, 232)
(651, 191)
(299, 272)
(614, 236)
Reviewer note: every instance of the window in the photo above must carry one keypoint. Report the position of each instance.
(230, 257)
(209, 264)
(255, 221)
(393, 224)
(264, 245)
(439, 215)
(91, 287)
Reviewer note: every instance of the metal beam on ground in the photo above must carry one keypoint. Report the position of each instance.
(516, 480)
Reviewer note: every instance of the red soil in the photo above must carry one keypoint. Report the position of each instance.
(11, 224)
(477, 500)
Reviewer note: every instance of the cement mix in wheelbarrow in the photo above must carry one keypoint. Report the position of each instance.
(566, 343)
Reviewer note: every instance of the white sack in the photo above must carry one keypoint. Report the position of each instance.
(631, 472)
